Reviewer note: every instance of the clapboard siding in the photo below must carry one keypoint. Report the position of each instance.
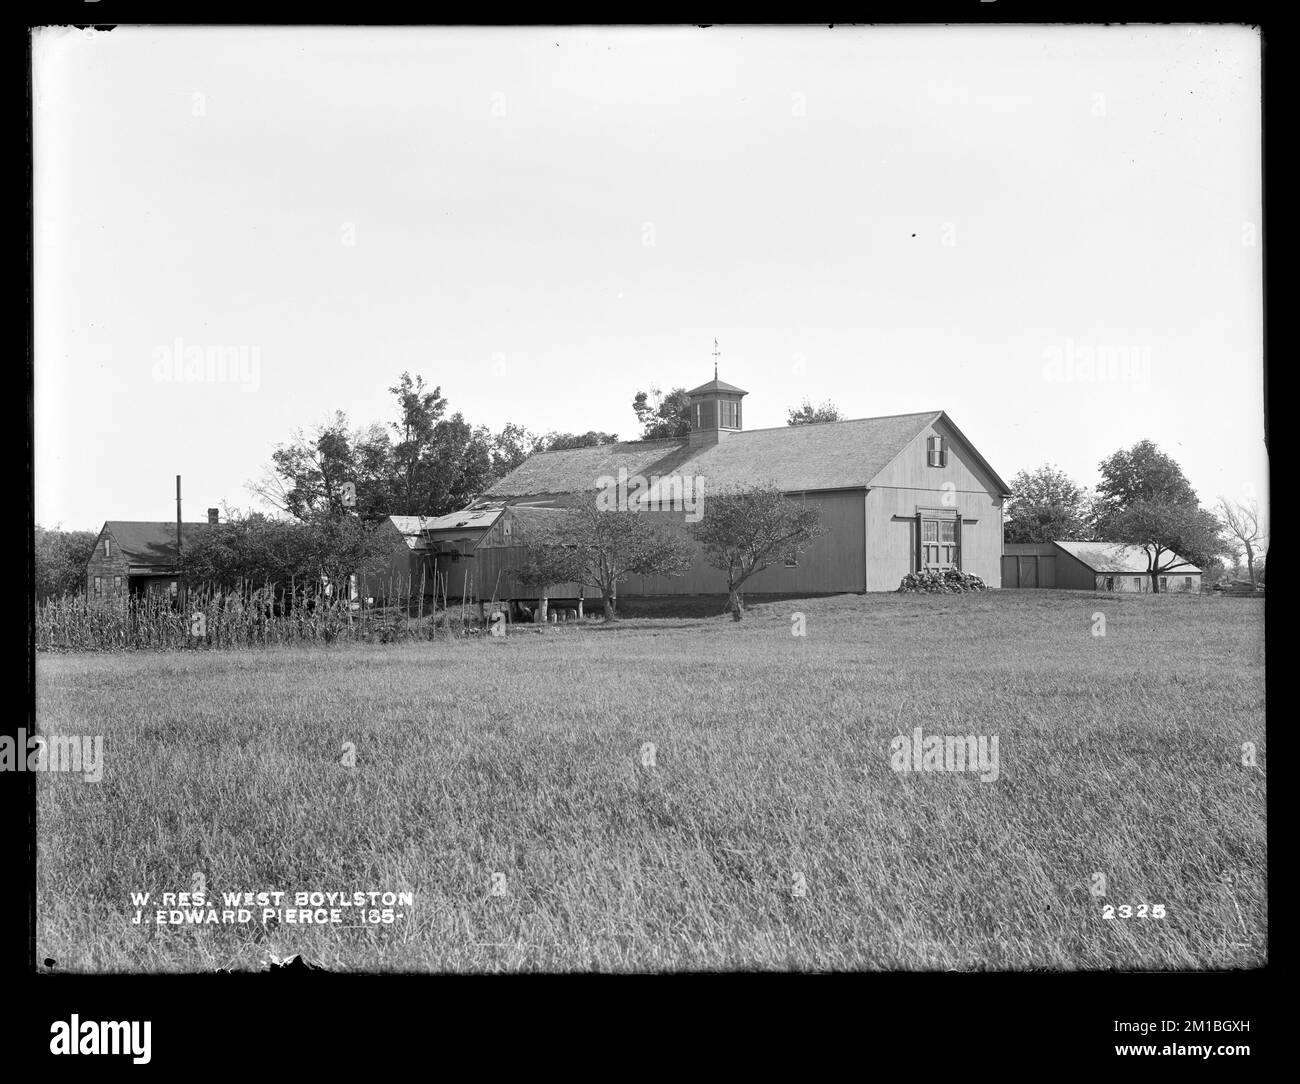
(106, 568)
(834, 562)
(891, 534)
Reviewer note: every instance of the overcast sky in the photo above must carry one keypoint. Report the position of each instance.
(545, 221)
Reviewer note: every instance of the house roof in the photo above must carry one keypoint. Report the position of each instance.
(824, 455)
(1117, 557)
(150, 542)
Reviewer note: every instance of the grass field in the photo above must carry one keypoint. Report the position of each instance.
(1119, 755)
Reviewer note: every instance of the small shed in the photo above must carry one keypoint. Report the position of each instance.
(1096, 566)
(436, 552)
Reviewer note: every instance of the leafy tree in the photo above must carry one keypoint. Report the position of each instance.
(420, 412)
(600, 549)
(1046, 505)
(1146, 500)
(511, 446)
(744, 530)
(1242, 522)
(307, 473)
(247, 553)
(60, 558)
(662, 416)
(807, 414)
(555, 442)
(1143, 473)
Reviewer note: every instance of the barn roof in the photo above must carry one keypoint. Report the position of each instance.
(825, 455)
(150, 542)
(1117, 557)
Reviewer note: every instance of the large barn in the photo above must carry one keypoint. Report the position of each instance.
(896, 493)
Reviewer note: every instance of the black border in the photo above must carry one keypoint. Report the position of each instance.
(380, 1025)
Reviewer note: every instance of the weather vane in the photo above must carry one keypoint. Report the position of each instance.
(716, 352)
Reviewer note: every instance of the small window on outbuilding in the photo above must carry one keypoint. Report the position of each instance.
(99, 586)
(107, 553)
(1110, 583)
(791, 560)
(937, 451)
(1164, 581)
(1187, 581)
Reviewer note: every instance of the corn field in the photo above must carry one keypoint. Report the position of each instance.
(215, 620)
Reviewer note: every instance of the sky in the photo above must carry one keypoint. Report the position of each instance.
(1052, 233)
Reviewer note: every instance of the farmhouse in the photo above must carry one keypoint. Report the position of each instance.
(896, 493)
(134, 558)
(1094, 566)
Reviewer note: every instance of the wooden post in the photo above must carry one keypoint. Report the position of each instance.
(579, 604)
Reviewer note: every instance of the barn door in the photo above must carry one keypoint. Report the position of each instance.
(939, 543)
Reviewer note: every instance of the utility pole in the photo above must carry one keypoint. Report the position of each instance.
(180, 586)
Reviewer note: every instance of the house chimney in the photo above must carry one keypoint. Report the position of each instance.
(213, 515)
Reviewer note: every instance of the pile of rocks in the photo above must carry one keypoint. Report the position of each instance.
(949, 581)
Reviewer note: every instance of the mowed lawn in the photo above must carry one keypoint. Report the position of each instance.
(1118, 755)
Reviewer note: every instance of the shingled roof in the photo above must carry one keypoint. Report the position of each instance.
(794, 458)
(1118, 557)
(151, 542)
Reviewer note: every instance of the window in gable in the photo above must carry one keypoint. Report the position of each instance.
(937, 451)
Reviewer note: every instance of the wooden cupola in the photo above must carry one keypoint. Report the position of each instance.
(715, 411)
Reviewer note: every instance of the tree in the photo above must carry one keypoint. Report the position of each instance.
(247, 553)
(511, 446)
(1146, 500)
(555, 442)
(1143, 473)
(432, 465)
(807, 414)
(420, 412)
(744, 530)
(307, 473)
(662, 416)
(60, 558)
(1046, 505)
(600, 549)
(1241, 521)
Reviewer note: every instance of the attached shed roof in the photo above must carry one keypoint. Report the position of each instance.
(151, 542)
(1118, 557)
(414, 526)
(794, 458)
